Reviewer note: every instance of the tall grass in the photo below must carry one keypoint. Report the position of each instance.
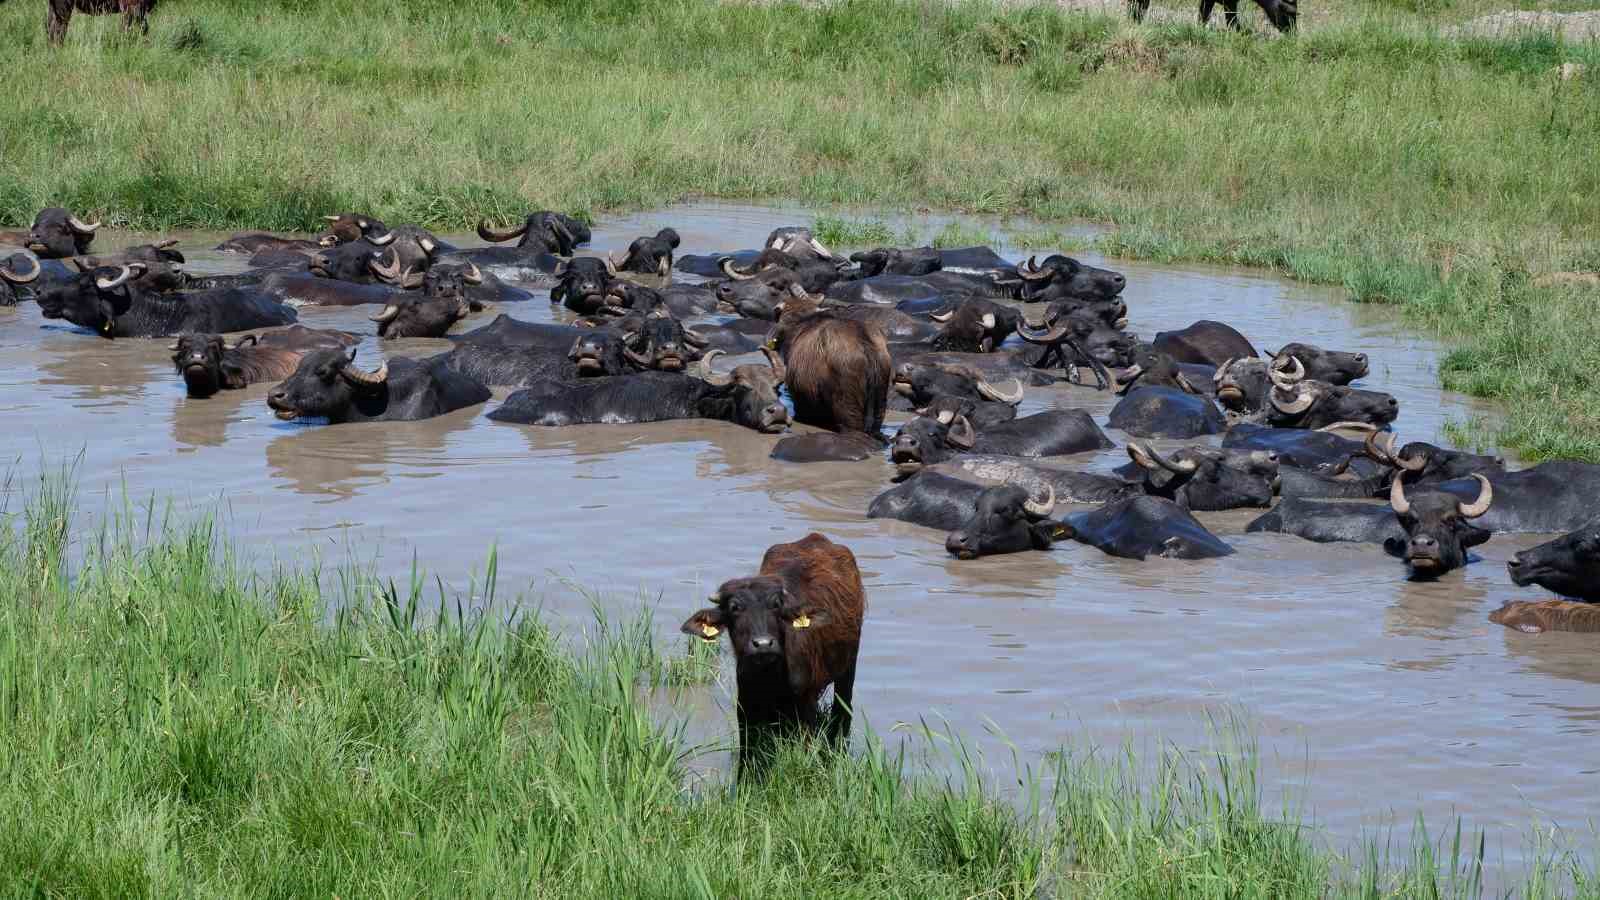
(172, 724)
(1367, 151)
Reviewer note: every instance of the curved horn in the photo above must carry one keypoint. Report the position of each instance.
(107, 284)
(709, 376)
(167, 244)
(1301, 403)
(1479, 506)
(1380, 450)
(990, 392)
(695, 339)
(474, 275)
(497, 235)
(390, 273)
(332, 218)
(1367, 427)
(173, 347)
(370, 379)
(774, 360)
(249, 340)
(821, 251)
(961, 433)
(428, 245)
(11, 275)
(1050, 336)
(988, 321)
(382, 240)
(1151, 459)
(1030, 270)
(1188, 386)
(1406, 462)
(413, 278)
(1222, 371)
(79, 226)
(942, 317)
(1293, 370)
(1043, 508)
(388, 314)
(1397, 497)
(611, 263)
(726, 264)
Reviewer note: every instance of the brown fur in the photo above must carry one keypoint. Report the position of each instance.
(819, 572)
(1548, 615)
(838, 371)
(258, 364)
(60, 14)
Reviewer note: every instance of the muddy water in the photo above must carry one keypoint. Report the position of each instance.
(1374, 697)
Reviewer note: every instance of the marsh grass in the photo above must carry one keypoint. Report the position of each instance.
(1368, 151)
(173, 722)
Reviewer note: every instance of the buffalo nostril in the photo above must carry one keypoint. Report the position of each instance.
(1361, 357)
(1514, 563)
(761, 643)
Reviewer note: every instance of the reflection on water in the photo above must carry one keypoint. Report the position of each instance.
(1403, 694)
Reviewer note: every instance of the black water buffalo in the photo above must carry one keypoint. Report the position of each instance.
(1242, 385)
(59, 15)
(343, 228)
(931, 499)
(1144, 526)
(1166, 412)
(1550, 498)
(505, 331)
(975, 325)
(1333, 366)
(1316, 451)
(597, 353)
(209, 364)
(541, 232)
(1419, 462)
(1005, 519)
(748, 397)
(1534, 617)
(584, 283)
(1152, 368)
(58, 234)
(359, 262)
(1057, 432)
(1200, 478)
(1568, 565)
(1080, 339)
(763, 295)
(651, 255)
(825, 446)
(797, 242)
(1211, 343)
(894, 261)
(18, 269)
(941, 495)
(1331, 522)
(444, 301)
(1281, 13)
(113, 303)
(302, 289)
(1312, 404)
(924, 383)
(1438, 526)
(1064, 278)
(838, 371)
(328, 383)
(982, 414)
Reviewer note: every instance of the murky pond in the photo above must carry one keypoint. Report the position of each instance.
(1377, 696)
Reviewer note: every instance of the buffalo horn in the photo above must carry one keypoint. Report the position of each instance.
(1397, 497)
(775, 361)
(611, 263)
(988, 321)
(332, 218)
(1406, 462)
(1187, 386)
(695, 339)
(1051, 336)
(821, 251)
(382, 240)
(1479, 506)
(1302, 402)
(1030, 270)
(357, 376)
(428, 245)
(726, 264)
(709, 376)
(1364, 427)
(1289, 367)
(942, 317)
(474, 275)
(412, 278)
(79, 226)
(961, 433)
(389, 273)
(991, 392)
(125, 273)
(497, 235)
(1222, 371)
(14, 277)
(388, 314)
(1043, 508)
(173, 347)
(1148, 458)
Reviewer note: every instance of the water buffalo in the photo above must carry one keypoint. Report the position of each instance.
(209, 364)
(1568, 565)
(328, 383)
(443, 303)
(1200, 478)
(825, 446)
(924, 383)
(982, 414)
(1006, 520)
(1550, 498)
(1316, 451)
(942, 495)
(60, 15)
(1242, 385)
(1166, 412)
(1211, 343)
(1079, 339)
(1534, 617)
(1317, 404)
(596, 353)
(113, 303)
(1438, 527)
(748, 397)
(1333, 366)
(58, 234)
(797, 242)
(541, 232)
(505, 331)
(651, 255)
(1281, 13)
(926, 440)
(19, 269)
(892, 261)
(1144, 526)
(583, 285)
(759, 296)
(975, 325)
(344, 228)
(359, 262)
(1064, 278)
(1152, 368)
(1419, 462)
(795, 628)
(838, 371)
(1332, 522)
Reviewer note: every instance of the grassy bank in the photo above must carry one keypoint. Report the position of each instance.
(1367, 151)
(171, 725)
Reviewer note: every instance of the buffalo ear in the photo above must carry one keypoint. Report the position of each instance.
(1472, 536)
(233, 375)
(707, 624)
(1394, 547)
(1047, 531)
(806, 616)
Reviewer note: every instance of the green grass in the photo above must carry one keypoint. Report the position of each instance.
(1367, 151)
(177, 721)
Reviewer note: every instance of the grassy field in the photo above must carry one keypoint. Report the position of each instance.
(173, 725)
(1369, 151)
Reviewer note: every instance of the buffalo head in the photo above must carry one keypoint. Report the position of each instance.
(1064, 278)
(328, 383)
(1006, 520)
(1438, 527)
(58, 234)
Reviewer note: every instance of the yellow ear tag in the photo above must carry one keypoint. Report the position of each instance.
(107, 325)
(708, 633)
(802, 622)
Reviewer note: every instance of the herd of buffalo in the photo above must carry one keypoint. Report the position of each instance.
(954, 336)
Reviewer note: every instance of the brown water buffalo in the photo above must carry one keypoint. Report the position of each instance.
(60, 14)
(795, 628)
(209, 364)
(838, 371)
(1534, 617)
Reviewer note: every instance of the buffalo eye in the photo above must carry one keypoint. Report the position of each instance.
(326, 373)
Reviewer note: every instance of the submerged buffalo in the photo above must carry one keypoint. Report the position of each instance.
(1064, 278)
(58, 234)
(329, 384)
(1167, 413)
(1534, 617)
(442, 303)
(1211, 343)
(1144, 526)
(208, 363)
(1200, 478)
(17, 270)
(1295, 401)
(540, 232)
(893, 261)
(1333, 366)
(113, 303)
(1005, 520)
(651, 255)
(748, 397)
(926, 440)
(1438, 526)
(344, 228)
(1568, 565)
